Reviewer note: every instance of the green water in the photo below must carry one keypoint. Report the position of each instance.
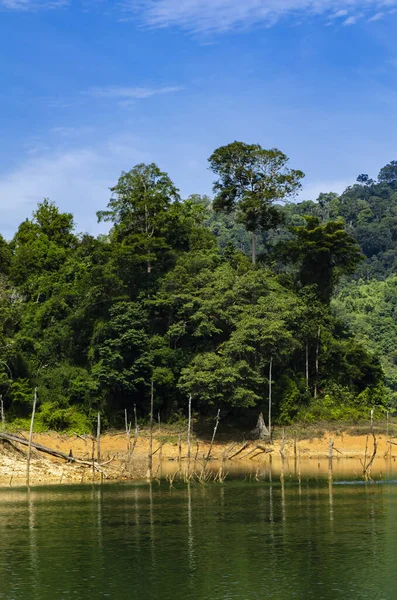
(234, 541)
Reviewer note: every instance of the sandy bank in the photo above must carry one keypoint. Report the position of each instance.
(312, 454)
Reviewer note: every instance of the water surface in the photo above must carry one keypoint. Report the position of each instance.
(238, 540)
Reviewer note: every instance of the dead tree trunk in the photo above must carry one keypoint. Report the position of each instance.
(260, 432)
(307, 365)
(317, 362)
(150, 455)
(98, 439)
(214, 433)
(367, 466)
(136, 433)
(189, 425)
(282, 445)
(56, 453)
(270, 398)
(31, 437)
(127, 432)
(3, 419)
(330, 456)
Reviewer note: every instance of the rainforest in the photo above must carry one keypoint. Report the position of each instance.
(231, 301)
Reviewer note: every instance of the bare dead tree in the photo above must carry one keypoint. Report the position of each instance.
(330, 456)
(189, 428)
(282, 445)
(317, 361)
(214, 434)
(179, 448)
(127, 432)
(150, 454)
(367, 465)
(136, 432)
(98, 438)
(31, 437)
(307, 365)
(3, 420)
(270, 398)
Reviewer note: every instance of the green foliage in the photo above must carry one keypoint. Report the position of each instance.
(250, 180)
(339, 404)
(170, 296)
(324, 254)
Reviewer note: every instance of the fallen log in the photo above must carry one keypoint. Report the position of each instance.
(56, 453)
(261, 451)
(238, 451)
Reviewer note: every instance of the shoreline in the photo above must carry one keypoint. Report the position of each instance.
(170, 452)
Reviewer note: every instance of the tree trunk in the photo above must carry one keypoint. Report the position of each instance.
(136, 431)
(3, 419)
(98, 439)
(31, 436)
(317, 355)
(214, 433)
(270, 397)
(260, 432)
(56, 453)
(307, 365)
(189, 426)
(150, 455)
(127, 432)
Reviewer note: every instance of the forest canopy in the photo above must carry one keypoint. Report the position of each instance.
(200, 296)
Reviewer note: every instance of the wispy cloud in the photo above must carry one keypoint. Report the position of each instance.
(377, 17)
(223, 15)
(351, 20)
(76, 179)
(32, 4)
(130, 93)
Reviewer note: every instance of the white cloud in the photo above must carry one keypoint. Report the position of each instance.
(77, 180)
(377, 17)
(350, 21)
(223, 15)
(130, 93)
(340, 13)
(32, 4)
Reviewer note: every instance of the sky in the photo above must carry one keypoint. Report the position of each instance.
(90, 88)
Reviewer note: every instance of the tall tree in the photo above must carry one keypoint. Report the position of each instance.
(250, 180)
(323, 254)
(138, 209)
(388, 173)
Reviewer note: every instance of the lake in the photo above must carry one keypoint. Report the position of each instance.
(238, 540)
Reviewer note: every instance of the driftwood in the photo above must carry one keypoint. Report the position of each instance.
(159, 448)
(56, 453)
(244, 446)
(261, 450)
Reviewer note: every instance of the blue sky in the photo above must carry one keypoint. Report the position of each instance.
(92, 87)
